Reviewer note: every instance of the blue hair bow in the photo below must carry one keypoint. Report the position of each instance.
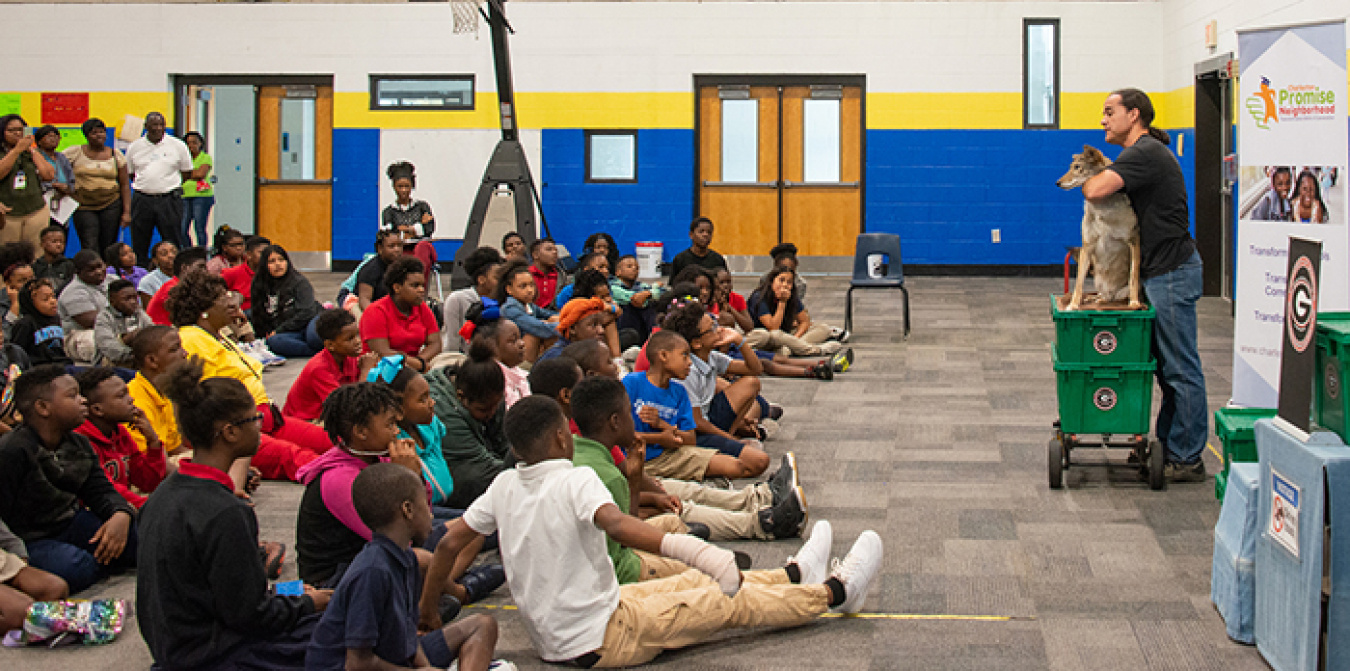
(386, 370)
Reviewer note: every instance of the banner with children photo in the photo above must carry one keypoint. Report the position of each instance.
(1292, 144)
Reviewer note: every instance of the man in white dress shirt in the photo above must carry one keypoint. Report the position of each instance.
(158, 164)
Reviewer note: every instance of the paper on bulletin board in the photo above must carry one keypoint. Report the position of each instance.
(131, 128)
(11, 103)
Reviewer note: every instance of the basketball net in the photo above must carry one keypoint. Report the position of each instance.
(466, 17)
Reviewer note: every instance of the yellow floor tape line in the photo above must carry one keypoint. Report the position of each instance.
(1214, 451)
(863, 616)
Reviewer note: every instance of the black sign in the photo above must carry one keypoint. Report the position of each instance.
(1300, 330)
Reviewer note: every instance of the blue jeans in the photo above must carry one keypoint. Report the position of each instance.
(197, 210)
(71, 555)
(1183, 420)
(294, 344)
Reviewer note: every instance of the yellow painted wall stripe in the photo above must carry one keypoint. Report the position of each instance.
(666, 109)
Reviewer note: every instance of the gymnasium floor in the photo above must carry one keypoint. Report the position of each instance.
(939, 444)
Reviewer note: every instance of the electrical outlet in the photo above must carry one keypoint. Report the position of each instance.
(995, 235)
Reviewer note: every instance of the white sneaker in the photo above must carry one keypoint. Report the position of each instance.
(768, 429)
(857, 570)
(813, 559)
(623, 366)
(268, 357)
(630, 356)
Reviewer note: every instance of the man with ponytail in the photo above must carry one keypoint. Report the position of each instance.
(202, 597)
(1170, 269)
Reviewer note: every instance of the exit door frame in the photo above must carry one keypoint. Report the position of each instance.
(180, 83)
(780, 81)
(1215, 232)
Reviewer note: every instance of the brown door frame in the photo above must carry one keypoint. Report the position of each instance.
(180, 82)
(782, 80)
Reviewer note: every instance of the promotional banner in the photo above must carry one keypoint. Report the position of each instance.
(1292, 146)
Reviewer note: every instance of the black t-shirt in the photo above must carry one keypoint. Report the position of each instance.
(373, 274)
(712, 261)
(1157, 192)
(760, 308)
(323, 544)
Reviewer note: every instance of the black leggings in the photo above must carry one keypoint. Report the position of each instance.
(98, 228)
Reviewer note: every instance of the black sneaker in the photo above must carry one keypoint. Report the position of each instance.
(775, 411)
(784, 480)
(786, 518)
(1185, 472)
(480, 581)
(822, 371)
(449, 607)
(699, 530)
(273, 556)
(743, 561)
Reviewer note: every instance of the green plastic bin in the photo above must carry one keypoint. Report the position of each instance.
(1113, 399)
(1330, 403)
(1103, 336)
(1236, 429)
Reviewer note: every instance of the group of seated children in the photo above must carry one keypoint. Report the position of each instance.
(587, 480)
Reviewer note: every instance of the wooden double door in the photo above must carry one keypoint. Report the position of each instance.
(781, 161)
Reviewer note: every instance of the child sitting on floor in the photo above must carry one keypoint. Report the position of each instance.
(665, 419)
(515, 294)
(581, 319)
(593, 357)
(473, 408)
(372, 618)
(637, 298)
(79, 304)
(53, 264)
(576, 613)
(118, 323)
(503, 337)
(110, 406)
(21, 584)
(774, 508)
(202, 597)
(340, 362)
(38, 330)
(721, 409)
(597, 262)
(418, 423)
(362, 420)
(53, 494)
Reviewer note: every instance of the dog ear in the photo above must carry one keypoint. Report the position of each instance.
(1090, 151)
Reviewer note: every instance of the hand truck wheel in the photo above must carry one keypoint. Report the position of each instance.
(1157, 463)
(1056, 462)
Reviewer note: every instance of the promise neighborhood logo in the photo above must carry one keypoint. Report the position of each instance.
(1295, 102)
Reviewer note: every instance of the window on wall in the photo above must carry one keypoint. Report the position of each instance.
(611, 156)
(1040, 73)
(421, 92)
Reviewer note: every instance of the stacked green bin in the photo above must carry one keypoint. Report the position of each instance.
(1331, 405)
(1104, 369)
(1236, 429)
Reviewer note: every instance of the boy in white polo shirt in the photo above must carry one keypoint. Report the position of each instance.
(552, 519)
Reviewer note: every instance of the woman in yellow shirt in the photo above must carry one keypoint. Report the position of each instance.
(199, 306)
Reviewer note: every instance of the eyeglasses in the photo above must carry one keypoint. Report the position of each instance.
(256, 417)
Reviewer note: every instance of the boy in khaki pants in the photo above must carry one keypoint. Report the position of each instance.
(552, 519)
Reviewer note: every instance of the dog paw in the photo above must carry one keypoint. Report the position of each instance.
(1071, 307)
(1136, 305)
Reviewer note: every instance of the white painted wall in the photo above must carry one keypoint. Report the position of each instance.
(600, 46)
(1184, 26)
(450, 166)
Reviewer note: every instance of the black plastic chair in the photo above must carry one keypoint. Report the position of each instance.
(889, 272)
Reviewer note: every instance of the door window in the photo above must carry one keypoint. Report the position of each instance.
(297, 138)
(820, 140)
(740, 140)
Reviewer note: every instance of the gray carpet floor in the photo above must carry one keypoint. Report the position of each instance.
(939, 444)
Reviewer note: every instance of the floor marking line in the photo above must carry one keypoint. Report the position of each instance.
(863, 616)
(1214, 451)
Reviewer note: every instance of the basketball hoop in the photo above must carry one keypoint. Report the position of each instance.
(466, 16)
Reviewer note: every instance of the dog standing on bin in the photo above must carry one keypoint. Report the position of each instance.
(1110, 237)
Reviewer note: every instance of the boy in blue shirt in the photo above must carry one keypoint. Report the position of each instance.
(664, 417)
(372, 618)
